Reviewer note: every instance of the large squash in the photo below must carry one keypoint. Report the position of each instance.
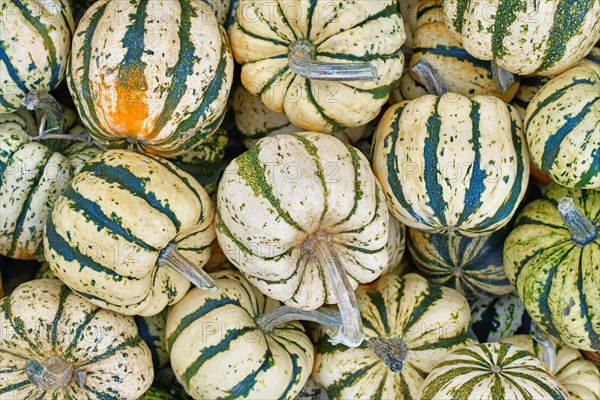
(286, 50)
(123, 225)
(551, 258)
(219, 348)
(57, 345)
(544, 37)
(155, 74)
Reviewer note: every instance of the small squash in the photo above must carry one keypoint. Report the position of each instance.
(62, 347)
(494, 318)
(311, 391)
(551, 258)
(152, 331)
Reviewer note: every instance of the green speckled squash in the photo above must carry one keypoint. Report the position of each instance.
(152, 73)
(451, 163)
(152, 331)
(544, 37)
(266, 36)
(62, 347)
(113, 231)
(419, 322)
(492, 371)
(553, 264)
(473, 266)
(219, 351)
(494, 318)
(34, 49)
(562, 126)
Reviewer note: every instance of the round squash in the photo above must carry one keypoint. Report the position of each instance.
(218, 349)
(451, 163)
(551, 258)
(34, 51)
(63, 347)
(492, 371)
(410, 325)
(152, 331)
(494, 318)
(119, 224)
(473, 266)
(544, 37)
(154, 74)
(318, 61)
(562, 126)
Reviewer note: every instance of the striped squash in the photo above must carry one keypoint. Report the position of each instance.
(579, 376)
(594, 55)
(290, 191)
(451, 163)
(34, 49)
(406, 88)
(218, 350)
(395, 245)
(332, 31)
(555, 273)
(493, 319)
(152, 331)
(562, 126)
(492, 371)
(428, 321)
(32, 176)
(109, 230)
(311, 391)
(61, 346)
(529, 86)
(152, 73)
(473, 266)
(544, 37)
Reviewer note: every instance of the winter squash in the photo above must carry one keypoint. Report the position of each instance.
(473, 266)
(407, 332)
(494, 318)
(152, 331)
(579, 376)
(492, 371)
(439, 159)
(33, 172)
(542, 38)
(551, 258)
(126, 229)
(61, 346)
(317, 61)
(529, 86)
(303, 217)
(562, 126)
(160, 81)
(594, 55)
(311, 391)
(220, 347)
(406, 88)
(35, 48)
(395, 245)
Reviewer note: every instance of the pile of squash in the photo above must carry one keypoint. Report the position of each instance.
(217, 196)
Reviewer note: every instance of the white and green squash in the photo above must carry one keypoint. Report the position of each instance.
(317, 61)
(562, 126)
(494, 318)
(126, 229)
(154, 74)
(222, 346)
(59, 346)
(152, 331)
(311, 391)
(410, 325)
(551, 258)
(529, 86)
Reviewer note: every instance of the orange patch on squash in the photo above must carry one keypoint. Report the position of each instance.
(130, 111)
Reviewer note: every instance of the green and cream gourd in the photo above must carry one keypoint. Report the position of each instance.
(579, 376)
(473, 266)
(451, 163)
(311, 391)
(34, 50)
(551, 258)
(152, 331)
(544, 37)
(125, 230)
(492, 371)
(494, 318)
(286, 50)
(562, 126)
(154, 74)
(62, 347)
(529, 86)
(220, 350)
(407, 324)
(395, 245)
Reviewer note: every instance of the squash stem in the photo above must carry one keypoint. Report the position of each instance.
(430, 77)
(52, 112)
(52, 6)
(52, 374)
(280, 315)
(172, 258)
(350, 333)
(301, 60)
(583, 230)
(391, 351)
(548, 353)
(504, 79)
